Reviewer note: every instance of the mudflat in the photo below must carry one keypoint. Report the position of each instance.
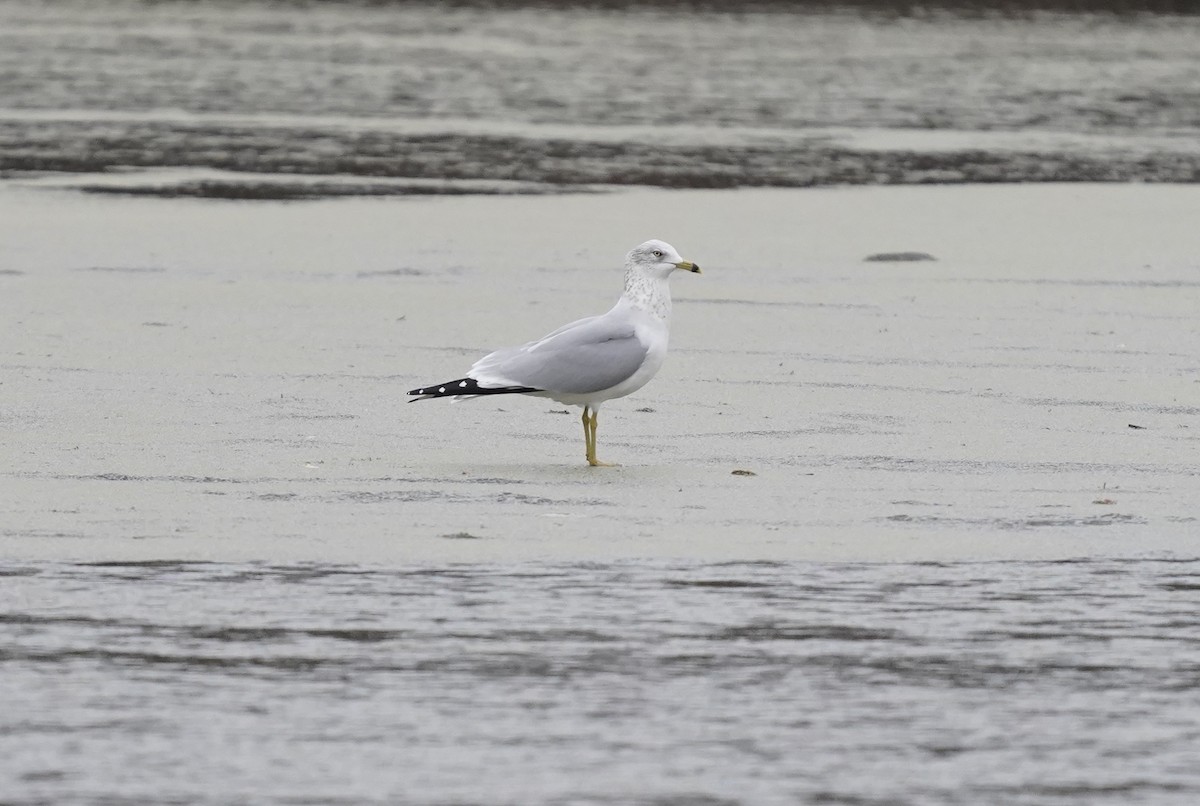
(221, 380)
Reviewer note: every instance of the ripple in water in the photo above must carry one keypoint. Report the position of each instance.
(602, 683)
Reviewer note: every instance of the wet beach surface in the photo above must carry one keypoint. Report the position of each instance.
(214, 377)
(908, 517)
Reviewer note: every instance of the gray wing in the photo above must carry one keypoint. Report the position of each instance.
(579, 358)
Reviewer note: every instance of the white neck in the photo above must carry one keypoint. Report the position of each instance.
(650, 294)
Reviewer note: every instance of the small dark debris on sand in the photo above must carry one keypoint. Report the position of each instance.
(898, 257)
(461, 536)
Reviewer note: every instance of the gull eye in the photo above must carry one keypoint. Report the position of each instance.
(656, 253)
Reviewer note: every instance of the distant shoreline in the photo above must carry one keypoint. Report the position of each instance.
(892, 7)
(284, 163)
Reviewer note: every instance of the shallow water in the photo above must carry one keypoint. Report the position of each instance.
(639, 682)
(372, 96)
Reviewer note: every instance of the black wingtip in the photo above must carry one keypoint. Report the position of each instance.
(465, 387)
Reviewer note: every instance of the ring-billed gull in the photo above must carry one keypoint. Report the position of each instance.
(592, 360)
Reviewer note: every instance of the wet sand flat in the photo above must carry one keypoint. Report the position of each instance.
(211, 380)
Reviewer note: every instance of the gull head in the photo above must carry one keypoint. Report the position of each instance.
(658, 259)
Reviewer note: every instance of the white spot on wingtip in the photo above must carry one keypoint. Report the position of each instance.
(462, 383)
(441, 389)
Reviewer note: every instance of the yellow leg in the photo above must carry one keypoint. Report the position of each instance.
(589, 436)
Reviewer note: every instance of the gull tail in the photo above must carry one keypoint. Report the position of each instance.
(464, 388)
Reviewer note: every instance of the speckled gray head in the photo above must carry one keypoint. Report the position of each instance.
(658, 259)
